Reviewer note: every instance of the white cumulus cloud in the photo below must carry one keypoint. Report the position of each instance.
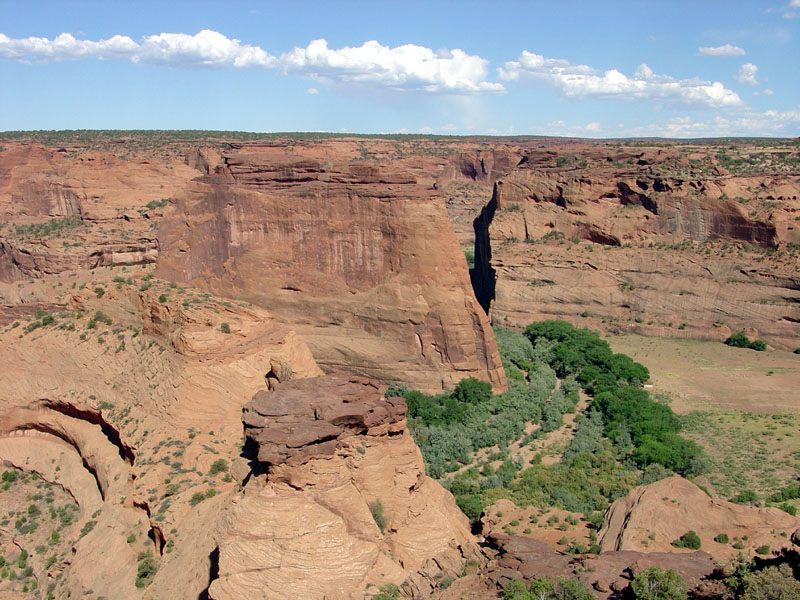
(205, 49)
(747, 74)
(582, 81)
(745, 123)
(407, 67)
(65, 47)
(720, 51)
(404, 67)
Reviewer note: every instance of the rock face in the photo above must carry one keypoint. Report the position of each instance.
(117, 416)
(649, 518)
(98, 207)
(305, 420)
(347, 244)
(608, 574)
(642, 241)
(358, 259)
(344, 503)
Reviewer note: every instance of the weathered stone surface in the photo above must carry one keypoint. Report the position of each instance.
(649, 518)
(112, 201)
(327, 520)
(359, 259)
(128, 428)
(620, 240)
(292, 422)
(608, 573)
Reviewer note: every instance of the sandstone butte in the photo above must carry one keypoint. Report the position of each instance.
(665, 242)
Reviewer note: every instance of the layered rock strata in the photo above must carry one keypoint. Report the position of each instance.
(120, 420)
(635, 241)
(359, 259)
(344, 505)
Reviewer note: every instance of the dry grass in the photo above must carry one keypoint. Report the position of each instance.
(742, 406)
(704, 375)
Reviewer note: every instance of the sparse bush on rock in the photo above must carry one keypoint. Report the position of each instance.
(689, 540)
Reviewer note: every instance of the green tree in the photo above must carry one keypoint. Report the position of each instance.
(690, 540)
(738, 340)
(472, 391)
(772, 583)
(655, 583)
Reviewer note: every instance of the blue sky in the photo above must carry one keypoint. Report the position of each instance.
(589, 69)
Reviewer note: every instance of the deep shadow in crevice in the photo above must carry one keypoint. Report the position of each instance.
(213, 573)
(250, 452)
(95, 418)
(483, 275)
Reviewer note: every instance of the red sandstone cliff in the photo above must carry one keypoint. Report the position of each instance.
(359, 259)
(643, 241)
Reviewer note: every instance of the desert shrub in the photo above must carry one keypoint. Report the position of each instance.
(87, 527)
(218, 466)
(789, 508)
(390, 591)
(745, 497)
(470, 256)
(763, 550)
(145, 569)
(225, 328)
(722, 538)
(564, 588)
(771, 583)
(376, 508)
(738, 340)
(689, 540)
(655, 583)
(162, 298)
(198, 497)
(790, 492)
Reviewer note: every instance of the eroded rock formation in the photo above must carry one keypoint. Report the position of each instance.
(342, 242)
(649, 518)
(344, 503)
(359, 259)
(655, 241)
(113, 411)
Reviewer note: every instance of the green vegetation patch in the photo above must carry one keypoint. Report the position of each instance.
(474, 441)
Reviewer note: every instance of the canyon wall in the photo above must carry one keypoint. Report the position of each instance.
(347, 244)
(359, 259)
(636, 241)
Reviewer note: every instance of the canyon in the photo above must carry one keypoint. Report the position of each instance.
(198, 339)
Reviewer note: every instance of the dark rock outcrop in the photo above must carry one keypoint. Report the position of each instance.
(305, 418)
